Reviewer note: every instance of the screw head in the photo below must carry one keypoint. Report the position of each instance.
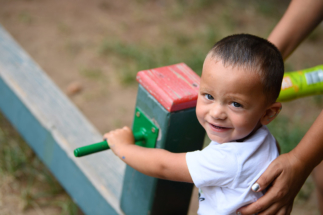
(138, 114)
(153, 130)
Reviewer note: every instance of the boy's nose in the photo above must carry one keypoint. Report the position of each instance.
(218, 112)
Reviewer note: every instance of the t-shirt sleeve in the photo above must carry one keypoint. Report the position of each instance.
(213, 166)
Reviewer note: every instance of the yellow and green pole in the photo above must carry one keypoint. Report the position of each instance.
(302, 83)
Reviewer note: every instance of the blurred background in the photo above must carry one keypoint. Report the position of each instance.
(93, 49)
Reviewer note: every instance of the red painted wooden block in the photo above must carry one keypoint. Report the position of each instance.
(175, 87)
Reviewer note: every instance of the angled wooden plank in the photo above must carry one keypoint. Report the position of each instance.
(54, 127)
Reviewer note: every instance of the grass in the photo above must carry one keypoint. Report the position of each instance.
(178, 41)
(29, 176)
(25, 18)
(92, 73)
(287, 132)
(137, 57)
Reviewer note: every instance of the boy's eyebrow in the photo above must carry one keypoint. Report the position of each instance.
(202, 87)
(240, 98)
(205, 89)
(237, 99)
(231, 96)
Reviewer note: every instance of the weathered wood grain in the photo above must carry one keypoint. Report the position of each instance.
(54, 127)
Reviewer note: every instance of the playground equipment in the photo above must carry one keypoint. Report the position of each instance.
(53, 127)
(164, 118)
(101, 183)
(145, 133)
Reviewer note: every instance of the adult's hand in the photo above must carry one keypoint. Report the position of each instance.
(284, 177)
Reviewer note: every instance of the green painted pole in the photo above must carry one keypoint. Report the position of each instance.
(101, 146)
(90, 149)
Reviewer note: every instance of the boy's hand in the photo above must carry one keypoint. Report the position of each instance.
(119, 137)
(157, 163)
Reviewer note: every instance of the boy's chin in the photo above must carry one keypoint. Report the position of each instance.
(221, 140)
(218, 139)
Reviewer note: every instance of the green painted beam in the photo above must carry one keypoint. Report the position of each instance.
(54, 127)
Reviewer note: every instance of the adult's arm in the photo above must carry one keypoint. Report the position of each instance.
(289, 171)
(300, 19)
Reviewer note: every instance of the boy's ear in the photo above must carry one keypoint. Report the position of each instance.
(271, 112)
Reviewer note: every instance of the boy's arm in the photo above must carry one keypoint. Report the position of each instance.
(157, 163)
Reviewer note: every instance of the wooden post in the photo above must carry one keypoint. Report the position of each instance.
(167, 95)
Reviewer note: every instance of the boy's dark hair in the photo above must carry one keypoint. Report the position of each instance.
(253, 53)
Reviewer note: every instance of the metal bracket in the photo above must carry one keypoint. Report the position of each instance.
(144, 130)
(142, 124)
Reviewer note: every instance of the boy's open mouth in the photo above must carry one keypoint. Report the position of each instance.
(219, 128)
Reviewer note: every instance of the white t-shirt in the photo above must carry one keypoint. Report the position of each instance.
(224, 173)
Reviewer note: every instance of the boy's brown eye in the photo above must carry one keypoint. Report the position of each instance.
(236, 104)
(208, 96)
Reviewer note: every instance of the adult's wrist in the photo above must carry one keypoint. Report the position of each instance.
(305, 160)
(310, 148)
(303, 164)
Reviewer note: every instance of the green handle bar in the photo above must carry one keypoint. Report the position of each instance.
(97, 147)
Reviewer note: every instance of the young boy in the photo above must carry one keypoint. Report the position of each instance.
(241, 80)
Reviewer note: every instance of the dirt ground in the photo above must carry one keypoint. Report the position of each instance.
(65, 39)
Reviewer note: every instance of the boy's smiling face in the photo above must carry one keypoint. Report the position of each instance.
(231, 102)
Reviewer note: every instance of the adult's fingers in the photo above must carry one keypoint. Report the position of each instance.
(278, 209)
(290, 176)
(264, 203)
(261, 208)
(271, 173)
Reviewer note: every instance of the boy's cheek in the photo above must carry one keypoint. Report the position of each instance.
(199, 117)
(199, 110)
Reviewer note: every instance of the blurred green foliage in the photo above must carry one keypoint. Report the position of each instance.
(287, 132)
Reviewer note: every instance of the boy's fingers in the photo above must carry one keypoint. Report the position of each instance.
(105, 136)
(108, 134)
(126, 128)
